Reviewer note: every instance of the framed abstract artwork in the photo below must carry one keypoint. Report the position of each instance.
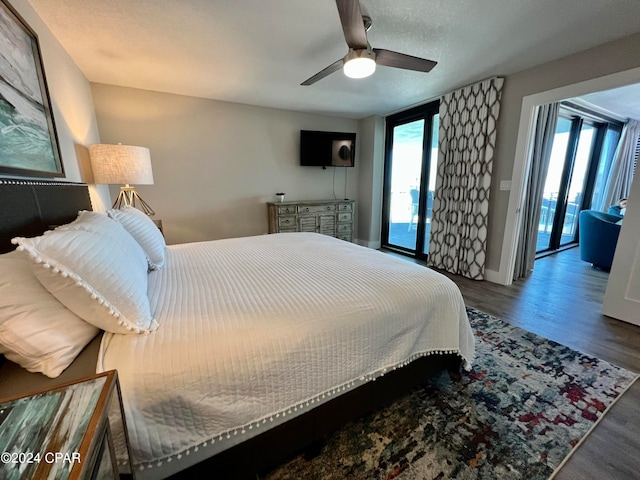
(28, 139)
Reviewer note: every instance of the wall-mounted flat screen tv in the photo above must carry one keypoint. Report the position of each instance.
(327, 149)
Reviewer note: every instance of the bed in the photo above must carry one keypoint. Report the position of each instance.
(262, 344)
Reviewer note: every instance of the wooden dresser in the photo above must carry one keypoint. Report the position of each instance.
(329, 217)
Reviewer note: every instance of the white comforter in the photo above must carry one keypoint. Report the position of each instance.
(256, 330)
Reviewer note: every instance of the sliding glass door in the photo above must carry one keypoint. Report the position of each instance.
(581, 157)
(411, 153)
(553, 184)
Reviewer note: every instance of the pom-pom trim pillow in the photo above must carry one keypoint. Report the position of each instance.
(145, 232)
(95, 269)
(36, 331)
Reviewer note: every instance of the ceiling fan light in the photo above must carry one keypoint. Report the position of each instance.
(359, 63)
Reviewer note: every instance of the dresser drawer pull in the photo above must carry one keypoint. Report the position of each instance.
(286, 221)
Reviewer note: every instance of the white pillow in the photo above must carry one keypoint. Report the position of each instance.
(36, 331)
(146, 233)
(97, 270)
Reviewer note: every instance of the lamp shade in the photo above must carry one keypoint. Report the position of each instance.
(118, 164)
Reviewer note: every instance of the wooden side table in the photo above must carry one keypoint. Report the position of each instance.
(62, 433)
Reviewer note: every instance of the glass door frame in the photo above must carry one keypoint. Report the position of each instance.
(565, 180)
(424, 112)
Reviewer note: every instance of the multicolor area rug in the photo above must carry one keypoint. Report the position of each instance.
(517, 414)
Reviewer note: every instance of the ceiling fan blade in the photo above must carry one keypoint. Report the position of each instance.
(401, 60)
(352, 23)
(334, 67)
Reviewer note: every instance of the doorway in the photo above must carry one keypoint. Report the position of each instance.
(528, 108)
(411, 154)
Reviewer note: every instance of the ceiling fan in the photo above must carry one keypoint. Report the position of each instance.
(361, 59)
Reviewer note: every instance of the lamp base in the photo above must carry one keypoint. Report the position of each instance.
(129, 196)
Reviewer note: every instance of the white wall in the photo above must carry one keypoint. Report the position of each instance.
(216, 164)
(370, 181)
(72, 105)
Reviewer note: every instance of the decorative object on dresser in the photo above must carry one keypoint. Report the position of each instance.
(28, 136)
(65, 432)
(329, 217)
(118, 164)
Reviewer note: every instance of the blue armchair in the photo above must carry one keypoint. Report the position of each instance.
(615, 210)
(598, 237)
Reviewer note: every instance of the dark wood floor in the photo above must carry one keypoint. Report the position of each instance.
(562, 301)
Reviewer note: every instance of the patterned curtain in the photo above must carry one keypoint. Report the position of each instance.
(467, 139)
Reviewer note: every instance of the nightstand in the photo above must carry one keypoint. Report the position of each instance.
(62, 433)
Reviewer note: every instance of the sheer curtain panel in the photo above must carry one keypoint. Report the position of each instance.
(621, 175)
(543, 136)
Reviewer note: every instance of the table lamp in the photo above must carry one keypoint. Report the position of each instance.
(118, 164)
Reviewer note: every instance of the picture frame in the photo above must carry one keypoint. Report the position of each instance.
(28, 138)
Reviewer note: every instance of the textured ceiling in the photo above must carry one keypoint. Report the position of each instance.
(623, 101)
(259, 51)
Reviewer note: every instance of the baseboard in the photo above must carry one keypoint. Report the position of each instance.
(493, 276)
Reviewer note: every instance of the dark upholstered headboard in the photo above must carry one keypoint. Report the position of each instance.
(28, 208)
